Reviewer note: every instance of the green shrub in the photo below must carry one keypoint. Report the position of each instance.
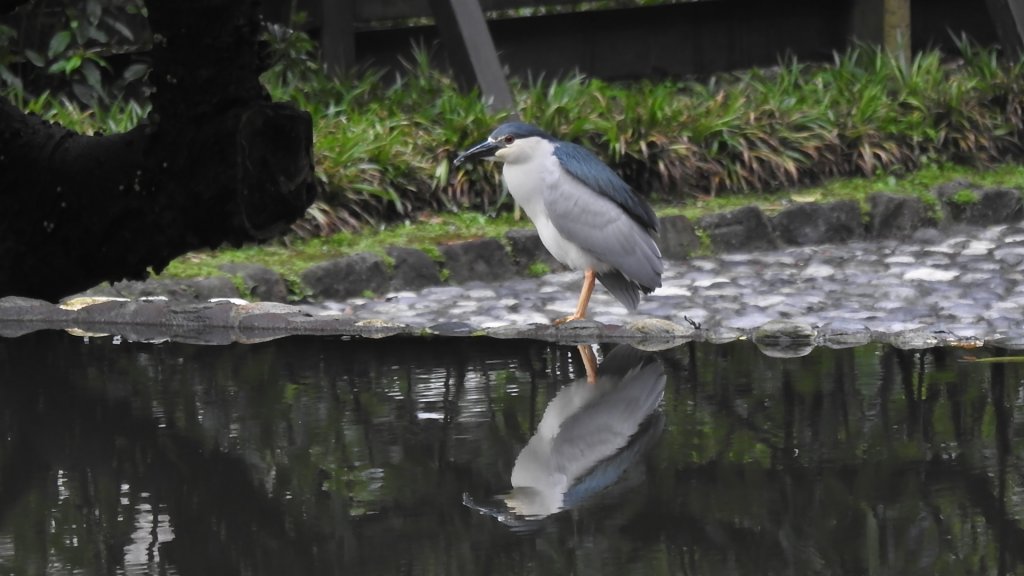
(964, 198)
(385, 140)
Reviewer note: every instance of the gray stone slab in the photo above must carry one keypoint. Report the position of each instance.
(527, 249)
(677, 238)
(484, 259)
(261, 282)
(745, 229)
(813, 223)
(347, 277)
(413, 269)
(894, 216)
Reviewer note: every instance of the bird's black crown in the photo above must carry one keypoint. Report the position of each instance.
(519, 130)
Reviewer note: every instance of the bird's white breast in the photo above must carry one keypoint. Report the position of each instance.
(528, 175)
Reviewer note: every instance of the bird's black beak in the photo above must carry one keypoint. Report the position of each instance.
(484, 149)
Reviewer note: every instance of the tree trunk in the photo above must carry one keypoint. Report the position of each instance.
(214, 162)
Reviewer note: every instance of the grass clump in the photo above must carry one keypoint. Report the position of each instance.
(385, 141)
(964, 198)
(538, 269)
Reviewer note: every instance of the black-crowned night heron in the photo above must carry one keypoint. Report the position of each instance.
(586, 216)
(589, 436)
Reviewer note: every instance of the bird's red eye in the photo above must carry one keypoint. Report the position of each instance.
(508, 139)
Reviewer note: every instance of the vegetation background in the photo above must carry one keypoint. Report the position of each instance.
(385, 139)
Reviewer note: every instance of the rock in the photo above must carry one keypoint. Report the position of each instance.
(659, 334)
(527, 249)
(263, 283)
(660, 327)
(812, 223)
(413, 270)
(256, 309)
(749, 320)
(742, 230)
(382, 328)
(912, 339)
(16, 308)
(927, 274)
(186, 290)
(453, 329)
(581, 331)
(963, 204)
(346, 277)
(785, 339)
(145, 312)
(534, 331)
(677, 238)
(844, 334)
(263, 321)
(484, 259)
(784, 330)
(893, 216)
(928, 236)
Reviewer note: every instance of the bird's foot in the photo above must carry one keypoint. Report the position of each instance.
(569, 318)
(692, 322)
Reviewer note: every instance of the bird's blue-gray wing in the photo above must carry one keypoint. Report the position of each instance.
(606, 422)
(608, 233)
(583, 165)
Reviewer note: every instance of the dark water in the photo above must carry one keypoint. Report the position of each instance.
(324, 456)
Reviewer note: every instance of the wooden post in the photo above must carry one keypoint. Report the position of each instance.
(338, 36)
(471, 50)
(1008, 17)
(885, 23)
(896, 30)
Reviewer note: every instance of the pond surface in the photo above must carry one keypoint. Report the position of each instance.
(327, 456)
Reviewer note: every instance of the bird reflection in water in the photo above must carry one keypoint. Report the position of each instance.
(592, 432)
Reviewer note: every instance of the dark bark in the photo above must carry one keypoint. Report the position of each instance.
(215, 162)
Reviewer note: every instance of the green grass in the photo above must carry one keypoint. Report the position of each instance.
(538, 269)
(292, 257)
(385, 141)
(918, 183)
(964, 198)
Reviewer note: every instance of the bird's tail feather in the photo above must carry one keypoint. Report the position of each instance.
(625, 290)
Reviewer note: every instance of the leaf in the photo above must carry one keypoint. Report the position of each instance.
(121, 27)
(81, 30)
(58, 43)
(6, 76)
(93, 11)
(73, 64)
(35, 58)
(58, 66)
(98, 35)
(135, 71)
(92, 75)
(84, 93)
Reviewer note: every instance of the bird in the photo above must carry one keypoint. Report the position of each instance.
(589, 435)
(587, 217)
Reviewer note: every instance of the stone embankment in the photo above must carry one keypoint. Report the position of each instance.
(911, 271)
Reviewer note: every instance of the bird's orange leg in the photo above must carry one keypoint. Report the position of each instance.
(589, 362)
(589, 277)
